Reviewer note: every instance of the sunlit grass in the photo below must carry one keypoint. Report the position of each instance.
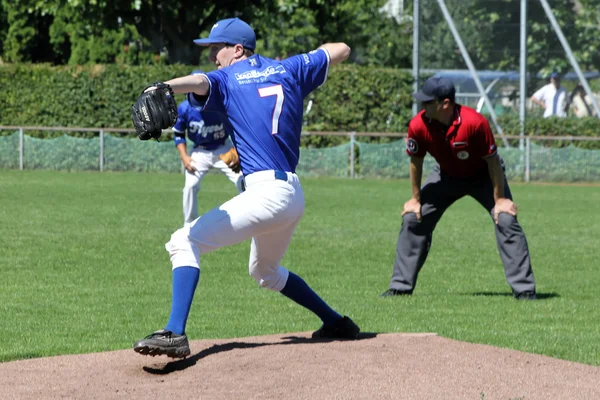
(84, 268)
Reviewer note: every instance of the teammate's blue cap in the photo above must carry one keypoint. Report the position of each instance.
(555, 75)
(230, 31)
(436, 89)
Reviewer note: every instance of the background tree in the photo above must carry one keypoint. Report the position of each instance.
(587, 24)
(25, 32)
(3, 27)
(138, 32)
(293, 26)
(490, 31)
(160, 31)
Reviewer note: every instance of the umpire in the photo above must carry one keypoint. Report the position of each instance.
(462, 143)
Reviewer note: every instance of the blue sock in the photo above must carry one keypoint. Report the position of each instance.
(185, 280)
(297, 290)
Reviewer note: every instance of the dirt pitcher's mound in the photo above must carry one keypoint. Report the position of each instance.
(292, 366)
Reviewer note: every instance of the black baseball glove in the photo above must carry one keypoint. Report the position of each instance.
(154, 111)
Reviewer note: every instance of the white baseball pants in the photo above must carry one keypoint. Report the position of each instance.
(203, 161)
(268, 212)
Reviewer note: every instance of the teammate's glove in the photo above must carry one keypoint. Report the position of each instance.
(232, 159)
(154, 110)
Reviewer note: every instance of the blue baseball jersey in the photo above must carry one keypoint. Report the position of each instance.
(263, 100)
(208, 129)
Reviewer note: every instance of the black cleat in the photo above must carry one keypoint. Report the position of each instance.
(526, 295)
(344, 328)
(396, 292)
(163, 342)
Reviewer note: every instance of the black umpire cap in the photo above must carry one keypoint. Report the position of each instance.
(436, 89)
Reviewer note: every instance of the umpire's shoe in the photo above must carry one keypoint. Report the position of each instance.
(396, 292)
(526, 295)
(163, 342)
(344, 328)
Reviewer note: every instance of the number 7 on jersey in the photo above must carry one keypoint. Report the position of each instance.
(276, 90)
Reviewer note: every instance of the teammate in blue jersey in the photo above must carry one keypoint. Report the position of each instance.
(209, 133)
(263, 100)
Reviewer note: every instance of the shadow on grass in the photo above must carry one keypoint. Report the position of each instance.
(540, 296)
(180, 365)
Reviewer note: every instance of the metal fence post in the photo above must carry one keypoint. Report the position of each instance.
(101, 150)
(352, 143)
(527, 159)
(21, 145)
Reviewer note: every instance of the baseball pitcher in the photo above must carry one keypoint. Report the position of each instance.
(263, 100)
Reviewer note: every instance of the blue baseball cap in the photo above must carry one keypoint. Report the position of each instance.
(230, 31)
(555, 75)
(436, 89)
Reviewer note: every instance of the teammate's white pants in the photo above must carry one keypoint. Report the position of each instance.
(203, 161)
(268, 212)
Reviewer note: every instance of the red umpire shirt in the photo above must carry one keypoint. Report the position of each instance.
(459, 149)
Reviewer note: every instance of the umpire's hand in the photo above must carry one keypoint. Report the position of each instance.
(504, 205)
(413, 206)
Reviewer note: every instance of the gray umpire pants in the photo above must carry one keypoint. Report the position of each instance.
(437, 194)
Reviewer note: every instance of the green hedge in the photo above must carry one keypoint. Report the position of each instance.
(95, 96)
(360, 99)
(554, 126)
(354, 99)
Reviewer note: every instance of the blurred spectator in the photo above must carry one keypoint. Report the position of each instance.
(552, 97)
(581, 102)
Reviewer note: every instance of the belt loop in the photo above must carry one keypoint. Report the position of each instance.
(281, 175)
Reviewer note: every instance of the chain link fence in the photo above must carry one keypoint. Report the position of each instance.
(538, 161)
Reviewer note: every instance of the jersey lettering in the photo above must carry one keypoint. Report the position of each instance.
(275, 90)
(203, 129)
(195, 126)
(263, 100)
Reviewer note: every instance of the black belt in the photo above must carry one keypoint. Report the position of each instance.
(208, 148)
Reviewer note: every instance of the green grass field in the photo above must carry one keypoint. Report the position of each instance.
(84, 269)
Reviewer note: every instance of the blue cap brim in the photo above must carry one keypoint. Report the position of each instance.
(422, 97)
(205, 42)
